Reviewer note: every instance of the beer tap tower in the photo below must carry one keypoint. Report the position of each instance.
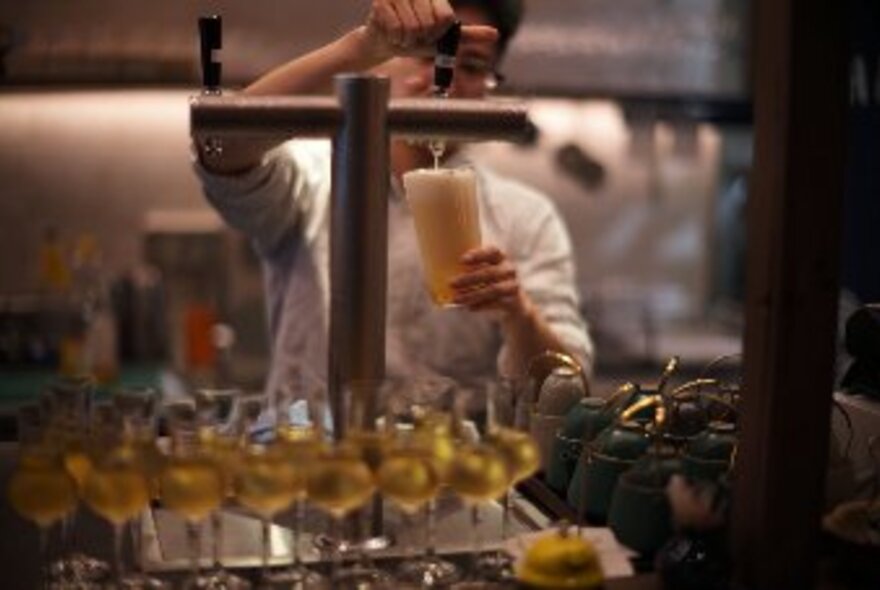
(359, 120)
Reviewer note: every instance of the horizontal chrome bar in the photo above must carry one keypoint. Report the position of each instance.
(458, 119)
(264, 116)
(310, 116)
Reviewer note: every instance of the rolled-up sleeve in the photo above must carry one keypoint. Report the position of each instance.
(266, 202)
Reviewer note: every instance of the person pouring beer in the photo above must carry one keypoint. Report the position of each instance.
(514, 295)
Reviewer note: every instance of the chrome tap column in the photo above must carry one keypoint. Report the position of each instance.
(358, 250)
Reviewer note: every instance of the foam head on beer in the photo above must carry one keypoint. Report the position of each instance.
(443, 202)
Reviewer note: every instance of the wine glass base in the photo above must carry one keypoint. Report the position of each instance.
(361, 577)
(377, 543)
(79, 567)
(142, 582)
(200, 582)
(297, 578)
(326, 543)
(428, 572)
(226, 580)
(496, 566)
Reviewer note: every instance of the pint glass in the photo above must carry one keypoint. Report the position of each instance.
(443, 202)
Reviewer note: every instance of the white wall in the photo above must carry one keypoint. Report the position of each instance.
(88, 161)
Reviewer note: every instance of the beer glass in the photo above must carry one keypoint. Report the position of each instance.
(444, 206)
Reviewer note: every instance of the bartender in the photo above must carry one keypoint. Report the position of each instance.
(517, 297)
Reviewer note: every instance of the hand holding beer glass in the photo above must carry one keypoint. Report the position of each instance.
(443, 202)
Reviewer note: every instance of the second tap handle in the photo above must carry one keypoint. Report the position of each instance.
(211, 39)
(444, 61)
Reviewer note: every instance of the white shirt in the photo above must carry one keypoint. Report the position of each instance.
(284, 206)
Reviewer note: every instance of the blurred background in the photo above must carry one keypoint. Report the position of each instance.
(642, 136)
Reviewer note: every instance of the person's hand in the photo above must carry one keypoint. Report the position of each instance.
(490, 282)
(412, 27)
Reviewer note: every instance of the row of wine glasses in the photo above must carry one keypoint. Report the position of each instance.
(217, 455)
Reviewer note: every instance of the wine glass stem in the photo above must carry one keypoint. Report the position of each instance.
(336, 549)
(411, 550)
(136, 533)
(44, 557)
(217, 539)
(66, 533)
(505, 515)
(193, 535)
(478, 538)
(264, 548)
(430, 522)
(117, 551)
(298, 508)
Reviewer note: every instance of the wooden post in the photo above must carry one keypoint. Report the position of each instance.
(793, 224)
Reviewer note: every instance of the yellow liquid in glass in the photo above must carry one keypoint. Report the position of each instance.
(226, 452)
(520, 451)
(118, 494)
(339, 483)
(479, 474)
(268, 483)
(41, 490)
(191, 486)
(152, 460)
(301, 445)
(408, 478)
(78, 465)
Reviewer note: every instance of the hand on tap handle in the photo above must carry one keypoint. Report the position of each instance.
(413, 27)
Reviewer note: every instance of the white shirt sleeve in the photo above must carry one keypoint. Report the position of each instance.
(268, 202)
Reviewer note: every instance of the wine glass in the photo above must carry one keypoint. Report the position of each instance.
(191, 484)
(40, 490)
(523, 458)
(478, 474)
(138, 410)
(338, 483)
(66, 404)
(224, 440)
(423, 413)
(299, 433)
(116, 488)
(267, 483)
(409, 478)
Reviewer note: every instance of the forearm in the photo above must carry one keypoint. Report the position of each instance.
(528, 335)
(313, 72)
(308, 74)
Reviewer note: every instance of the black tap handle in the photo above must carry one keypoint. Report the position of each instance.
(444, 61)
(211, 38)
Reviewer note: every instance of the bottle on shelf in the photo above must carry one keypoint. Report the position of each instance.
(98, 354)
